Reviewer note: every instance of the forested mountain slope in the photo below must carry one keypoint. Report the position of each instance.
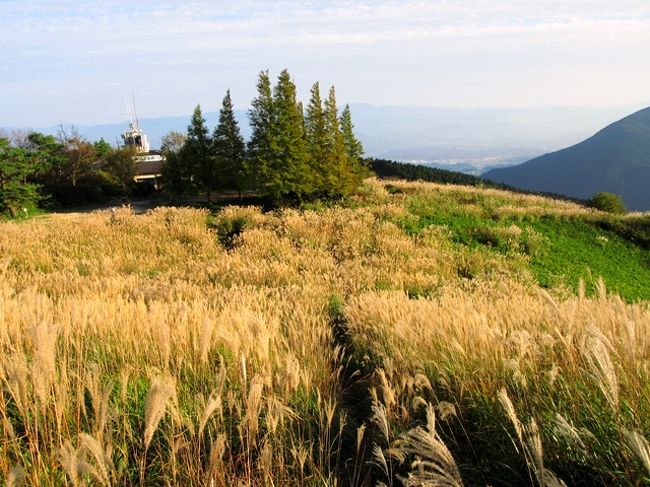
(616, 160)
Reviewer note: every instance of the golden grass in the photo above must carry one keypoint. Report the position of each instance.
(471, 341)
(139, 350)
(158, 310)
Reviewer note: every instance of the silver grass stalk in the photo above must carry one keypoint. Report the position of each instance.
(68, 459)
(380, 419)
(531, 443)
(102, 459)
(434, 464)
(253, 405)
(161, 390)
(205, 340)
(640, 446)
(217, 451)
(377, 458)
(361, 431)
(569, 433)
(44, 337)
(596, 353)
(214, 404)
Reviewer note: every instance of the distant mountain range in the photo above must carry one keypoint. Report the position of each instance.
(470, 140)
(616, 160)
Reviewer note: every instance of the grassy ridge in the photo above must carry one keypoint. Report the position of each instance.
(387, 169)
(335, 345)
(562, 249)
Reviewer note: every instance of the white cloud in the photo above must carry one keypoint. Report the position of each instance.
(165, 46)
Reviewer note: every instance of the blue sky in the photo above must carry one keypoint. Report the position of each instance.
(76, 62)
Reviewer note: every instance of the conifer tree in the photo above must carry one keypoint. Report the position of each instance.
(316, 136)
(177, 175)
(262, 141)
(353, 147)
(196, 154)
(16, 166)
(291, 155)
(229, 148)
(296, 155)
(336, 165)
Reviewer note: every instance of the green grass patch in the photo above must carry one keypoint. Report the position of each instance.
(23, 215)
(560, 250)
(580, 250)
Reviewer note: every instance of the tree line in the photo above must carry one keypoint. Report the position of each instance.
(293, 154)
(66, 169)
(388, 169)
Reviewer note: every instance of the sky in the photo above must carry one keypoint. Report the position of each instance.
(77, 62)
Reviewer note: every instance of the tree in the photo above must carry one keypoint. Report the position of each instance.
(48, 151)
(121, 166)
(261, 145)
(16, 166)
(196, 154)
(176, 175)
(102, 148)
(293, 178)
(316, 136)
(229, 148)
(172, 142)
(79, 156)
(18, 138)
(608, 202)
(353, 147)
(337, 161)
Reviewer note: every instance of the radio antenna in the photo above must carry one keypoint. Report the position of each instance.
(135, 113)
(127, 118)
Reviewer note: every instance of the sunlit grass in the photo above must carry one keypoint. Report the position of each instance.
(194, 349)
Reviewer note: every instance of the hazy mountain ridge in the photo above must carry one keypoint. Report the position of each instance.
(615, 159)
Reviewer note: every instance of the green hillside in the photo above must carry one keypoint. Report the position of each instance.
(559, 248)
(616, 160)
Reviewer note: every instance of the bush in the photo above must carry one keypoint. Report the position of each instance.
(608, 202)
(16, 197)
(96, 187)
(229, 228)
(635, 229)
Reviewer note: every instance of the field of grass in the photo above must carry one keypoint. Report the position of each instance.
(419, 334)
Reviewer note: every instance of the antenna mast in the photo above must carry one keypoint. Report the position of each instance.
(128, 114)
(135, 113)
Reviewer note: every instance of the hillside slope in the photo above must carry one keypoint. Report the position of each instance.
(304, 345)
(616, 159)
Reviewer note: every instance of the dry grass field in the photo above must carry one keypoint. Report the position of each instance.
(350, 345)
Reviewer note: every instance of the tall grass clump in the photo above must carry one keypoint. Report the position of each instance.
(573, 368)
